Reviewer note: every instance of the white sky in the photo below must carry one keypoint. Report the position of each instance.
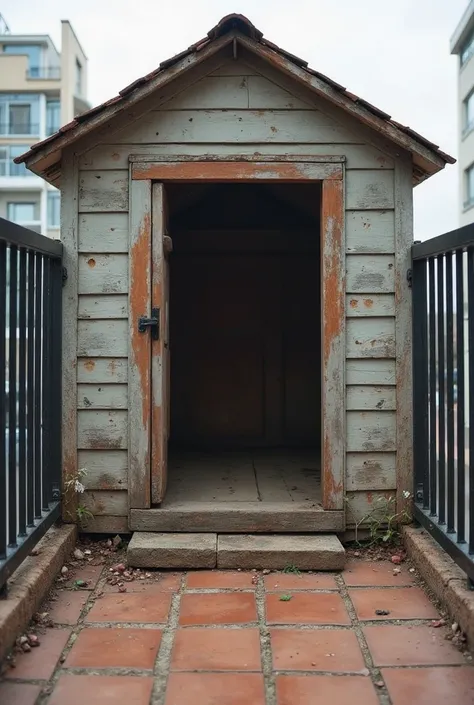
(395, 55)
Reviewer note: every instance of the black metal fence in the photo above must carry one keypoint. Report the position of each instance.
(443, 400)
(30, 390)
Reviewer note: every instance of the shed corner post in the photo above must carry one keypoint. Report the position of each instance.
(333, 268)
(69, 238)
(403, 330)
(139, 353)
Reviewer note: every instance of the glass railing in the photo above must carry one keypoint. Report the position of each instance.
(48, 72)
(19, 128)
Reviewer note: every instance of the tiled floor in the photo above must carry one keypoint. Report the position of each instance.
(236, 638)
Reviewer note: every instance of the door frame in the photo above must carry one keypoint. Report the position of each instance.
(329, 171)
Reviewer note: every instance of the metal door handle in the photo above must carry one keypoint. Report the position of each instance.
(152, 323)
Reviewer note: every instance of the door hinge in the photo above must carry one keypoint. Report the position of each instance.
(410, 277)
(64, 275)
(152, 323)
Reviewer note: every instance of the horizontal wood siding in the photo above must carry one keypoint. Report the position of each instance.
(233, 111)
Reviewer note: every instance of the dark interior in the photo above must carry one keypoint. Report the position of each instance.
(245, 315)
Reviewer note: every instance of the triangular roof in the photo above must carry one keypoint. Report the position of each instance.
(44, 158)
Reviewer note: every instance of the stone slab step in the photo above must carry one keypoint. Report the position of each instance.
(276, 552)
(305, 552)
(154, 550)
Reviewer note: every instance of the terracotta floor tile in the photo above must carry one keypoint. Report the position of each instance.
(87, 572)
(218, 608)
(400, 645)
(216, 650)
(321, 690)
(215, 688)
(159, 583)
(119, 648)
(19, 693)
(131, 607)
(306, 608)
(430, 686)
(41, 662)
(102, 690)
(404, 603)
(220, 579)
(303, 581)
(375, 573)
(316, 650)
(68, 606)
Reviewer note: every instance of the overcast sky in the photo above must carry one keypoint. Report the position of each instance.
(395, 55)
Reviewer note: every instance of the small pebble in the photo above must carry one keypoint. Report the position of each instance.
(438, 623)
(454, 627)
(396, 571)
(64, 570)
(122, 588)
(78, 554)
(411, 570)
(396, 559)
(379, 684)
(87, 552)
(266, 571)
(26, 647)
(33, 640)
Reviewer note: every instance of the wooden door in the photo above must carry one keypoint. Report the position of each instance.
(160, 351)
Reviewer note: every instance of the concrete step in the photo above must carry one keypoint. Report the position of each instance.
(276, 552)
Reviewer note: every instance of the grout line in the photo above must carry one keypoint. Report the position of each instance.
(265, 645)
(375, 674)
(161, 671)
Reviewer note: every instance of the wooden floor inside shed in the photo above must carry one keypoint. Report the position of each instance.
(266, 476)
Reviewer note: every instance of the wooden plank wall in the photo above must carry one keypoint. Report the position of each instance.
(235, 111)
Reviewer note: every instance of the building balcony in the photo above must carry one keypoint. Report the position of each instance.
(17, 76)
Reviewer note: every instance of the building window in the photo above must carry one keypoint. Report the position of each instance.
(19, 114)
(78, 78)
(469, 187)
(21, 212)
(7, 155)
(467, 49)
(468, 118)
(32, 51)
(54, 209)
(53, 116)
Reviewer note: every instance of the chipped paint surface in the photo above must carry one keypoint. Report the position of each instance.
(333, 278)
(140, 346)
(236, 171)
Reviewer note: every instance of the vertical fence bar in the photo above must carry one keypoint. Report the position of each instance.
(441, 396)
(470, 327)
(12, 397)
(460, 432)
(420, 380)
(450, 503)
(55, 347)
(432, 377)
(30, 411)
(22, 394)
(3, 464)
(37, 386)
(46, 387)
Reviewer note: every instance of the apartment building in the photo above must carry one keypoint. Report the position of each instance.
(40, 90)
(462, 44)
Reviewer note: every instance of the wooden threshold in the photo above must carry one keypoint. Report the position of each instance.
(237, 517)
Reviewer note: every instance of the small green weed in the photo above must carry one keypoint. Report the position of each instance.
(383, 520)
(285, 598)
(291, 569)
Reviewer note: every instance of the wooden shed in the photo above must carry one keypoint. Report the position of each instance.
(237, 316)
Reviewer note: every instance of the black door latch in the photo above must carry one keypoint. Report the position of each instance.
(153, 323)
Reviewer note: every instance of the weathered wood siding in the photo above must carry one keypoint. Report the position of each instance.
(236, 110)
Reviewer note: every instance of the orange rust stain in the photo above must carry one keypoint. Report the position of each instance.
(368, 303)
(91, 262)
(115, 156)
(332, 226)
(89, 365)
(353, 303)
(139, 305)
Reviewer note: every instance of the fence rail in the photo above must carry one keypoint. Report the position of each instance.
(443, 391)
(30, 390)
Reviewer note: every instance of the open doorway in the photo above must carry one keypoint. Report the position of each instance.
(245, 338)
